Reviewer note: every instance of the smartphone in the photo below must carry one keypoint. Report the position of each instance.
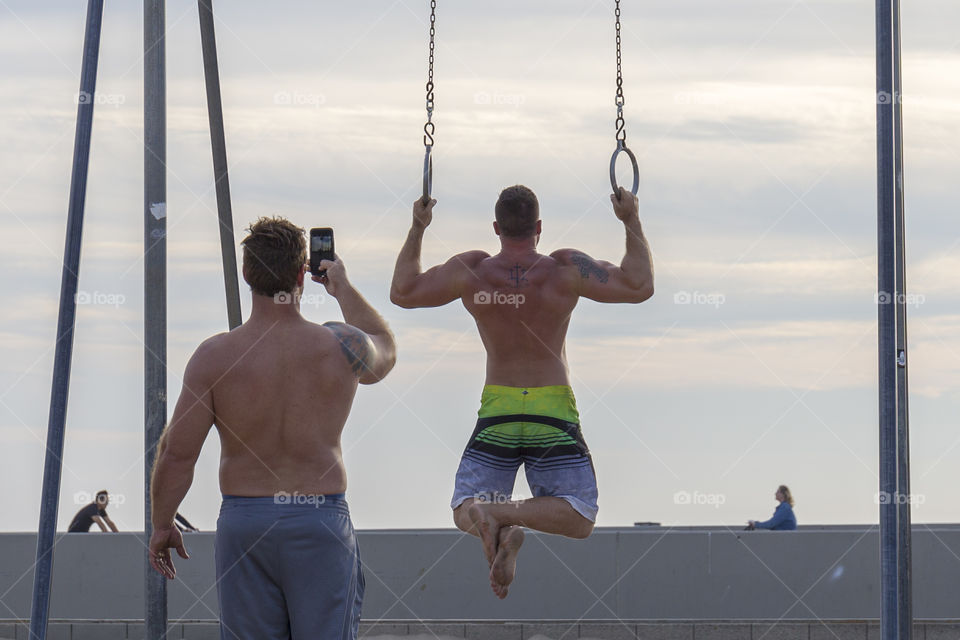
(321, 248)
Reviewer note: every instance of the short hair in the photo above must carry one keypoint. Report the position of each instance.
(274, 251)
(517, 212)
(787, 496)
(102, 492)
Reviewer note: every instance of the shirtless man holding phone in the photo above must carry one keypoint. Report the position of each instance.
(278, 389)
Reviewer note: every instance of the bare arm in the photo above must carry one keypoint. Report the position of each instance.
(182, 440)
(366, 340)
(177, 455)
(603, 281)
(413, 288)
(100, 523)
(110, 523)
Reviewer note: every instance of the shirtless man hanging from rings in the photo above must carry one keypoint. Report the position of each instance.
(521, 301)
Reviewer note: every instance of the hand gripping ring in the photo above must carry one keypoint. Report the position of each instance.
(622, 146)
(427, 176)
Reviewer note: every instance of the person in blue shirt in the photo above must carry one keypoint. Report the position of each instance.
(783, 518)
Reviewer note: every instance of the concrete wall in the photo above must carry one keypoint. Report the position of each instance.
(532, 630)
(632, 574)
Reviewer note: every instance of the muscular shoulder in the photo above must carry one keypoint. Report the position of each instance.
(356, 346)
(210, 356)
(469, 259)
(581, 263)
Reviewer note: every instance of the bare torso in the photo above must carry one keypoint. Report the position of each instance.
(282, 395)
(522, 302)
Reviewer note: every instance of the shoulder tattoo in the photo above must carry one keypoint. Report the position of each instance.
(518, 276)
(355, 345)
(589, 267)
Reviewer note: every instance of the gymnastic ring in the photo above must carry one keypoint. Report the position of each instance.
(621, 146)
(427, 176)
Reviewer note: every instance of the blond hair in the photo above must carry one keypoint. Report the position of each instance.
(787, 496)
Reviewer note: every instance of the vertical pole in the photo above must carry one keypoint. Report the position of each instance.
(154, 283)
(904, 503)
(60, 388)
(219, 145)
(886, 319)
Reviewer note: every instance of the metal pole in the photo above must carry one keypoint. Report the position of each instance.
(904, 504)
(154, 284)
(218, 143)
(60, 388)
(886, 320)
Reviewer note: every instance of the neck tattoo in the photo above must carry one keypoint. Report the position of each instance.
(517, 276)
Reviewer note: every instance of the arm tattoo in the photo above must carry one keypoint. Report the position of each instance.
(355, 345)
(588, 266)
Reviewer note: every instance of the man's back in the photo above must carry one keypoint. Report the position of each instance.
(522, 304)
(83, 519)
(282, 394)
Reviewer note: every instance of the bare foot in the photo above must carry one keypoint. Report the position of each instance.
(505, 564)
(488, 528)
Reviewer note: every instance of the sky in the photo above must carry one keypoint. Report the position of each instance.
(753, 122)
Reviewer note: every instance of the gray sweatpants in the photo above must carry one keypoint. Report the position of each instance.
(288, 568)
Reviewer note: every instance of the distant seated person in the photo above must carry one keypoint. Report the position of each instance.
(96, 511)
(183, 524)
(783, 518)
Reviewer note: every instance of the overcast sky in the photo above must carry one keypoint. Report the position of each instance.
(753, 365)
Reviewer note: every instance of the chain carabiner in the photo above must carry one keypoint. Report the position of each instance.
(429, 128)
(620, 124)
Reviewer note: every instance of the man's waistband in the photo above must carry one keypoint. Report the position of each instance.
(550, 390)
(282, 499)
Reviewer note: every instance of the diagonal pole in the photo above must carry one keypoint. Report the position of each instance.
(56, 425)
(221, 178)
(154, 285)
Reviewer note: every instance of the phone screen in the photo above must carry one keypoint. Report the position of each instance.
(322, 244)
(321, 248)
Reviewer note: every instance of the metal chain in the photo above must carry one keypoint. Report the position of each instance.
(429, 128)
(621, 131)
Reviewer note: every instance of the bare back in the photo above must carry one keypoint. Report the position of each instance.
(521, 300)
(522, 303)
(281, 398)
